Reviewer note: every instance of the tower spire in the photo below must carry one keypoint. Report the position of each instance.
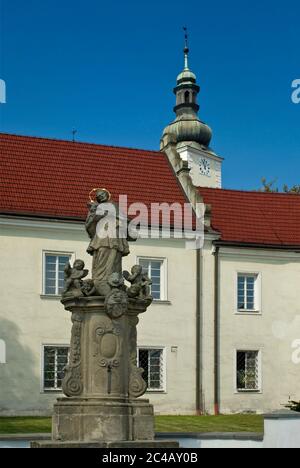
(187, 127)
(186, 49)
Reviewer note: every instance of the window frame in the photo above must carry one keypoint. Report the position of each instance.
(42, 386)
(53, 253)
(257, 293)
(163, 275)
(259, 390)
(163, 349)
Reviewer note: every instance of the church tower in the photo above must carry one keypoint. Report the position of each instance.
(192, 136)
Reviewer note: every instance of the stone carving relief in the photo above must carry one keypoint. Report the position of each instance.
(137, 385)
(72, 382)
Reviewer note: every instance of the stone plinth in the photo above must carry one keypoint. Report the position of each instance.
(102, 381)
(141, 444)
(105, 419)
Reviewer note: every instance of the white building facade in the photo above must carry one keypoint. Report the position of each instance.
(223, 332)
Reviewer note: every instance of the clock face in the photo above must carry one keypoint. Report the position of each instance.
(204, 165)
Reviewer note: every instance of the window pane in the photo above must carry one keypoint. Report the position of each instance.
(54, 279)
(155, 265)
(55, 361)
(241, 292)
(50, 259)
(153, 268)
(63, 260)
(241, 366)
(143, 363)
(50, 290)
(152, 360)
(247, 370)
(156, 295)
(246, 292)
(145, 265)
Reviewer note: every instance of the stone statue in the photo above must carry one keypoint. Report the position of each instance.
(74, 277)
(116, 301)
(107, 251)
(102, 380)
(140, 283)
(88, 288)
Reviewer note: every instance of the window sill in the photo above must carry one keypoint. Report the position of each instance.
(47, 392)
(157, 391)
(161, 301)
(48, 296)
(58, 298)
(248, 312)
(257, 392)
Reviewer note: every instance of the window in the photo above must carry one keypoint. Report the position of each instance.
(152, 361)
(55, 360)
(247, 373)
(247, 299)
(186, 97)
(54, 265)
(155, 269)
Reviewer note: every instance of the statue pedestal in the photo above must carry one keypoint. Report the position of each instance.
(102, 380)
(94, 420)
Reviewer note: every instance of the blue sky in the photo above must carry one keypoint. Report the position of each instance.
(108, 69)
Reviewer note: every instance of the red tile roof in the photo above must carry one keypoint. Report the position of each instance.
(254, 217)
(53, 178)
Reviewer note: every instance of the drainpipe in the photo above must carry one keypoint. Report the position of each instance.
(216, 333)
(199, 389)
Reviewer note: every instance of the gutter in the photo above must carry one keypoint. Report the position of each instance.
(248, 245)
(216, 333)
(199, 334)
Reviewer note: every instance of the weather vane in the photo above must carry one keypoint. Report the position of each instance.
(186, 37)
(186, 48)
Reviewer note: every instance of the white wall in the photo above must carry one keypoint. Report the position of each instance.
(29, 320)
(273, 331)
(282, 433)
(193, 153)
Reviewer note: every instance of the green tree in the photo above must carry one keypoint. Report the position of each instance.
(271, 187)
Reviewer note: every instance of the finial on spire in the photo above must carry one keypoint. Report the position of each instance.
(186, 48)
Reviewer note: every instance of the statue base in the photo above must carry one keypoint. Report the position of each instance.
(102, 381)
(124, 444)
(100, 419)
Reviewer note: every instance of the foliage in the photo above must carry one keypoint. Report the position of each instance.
(293, 406)
(271, 187)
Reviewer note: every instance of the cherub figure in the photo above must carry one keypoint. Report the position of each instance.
(140, 283)
(88, 288)
(74, 276)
